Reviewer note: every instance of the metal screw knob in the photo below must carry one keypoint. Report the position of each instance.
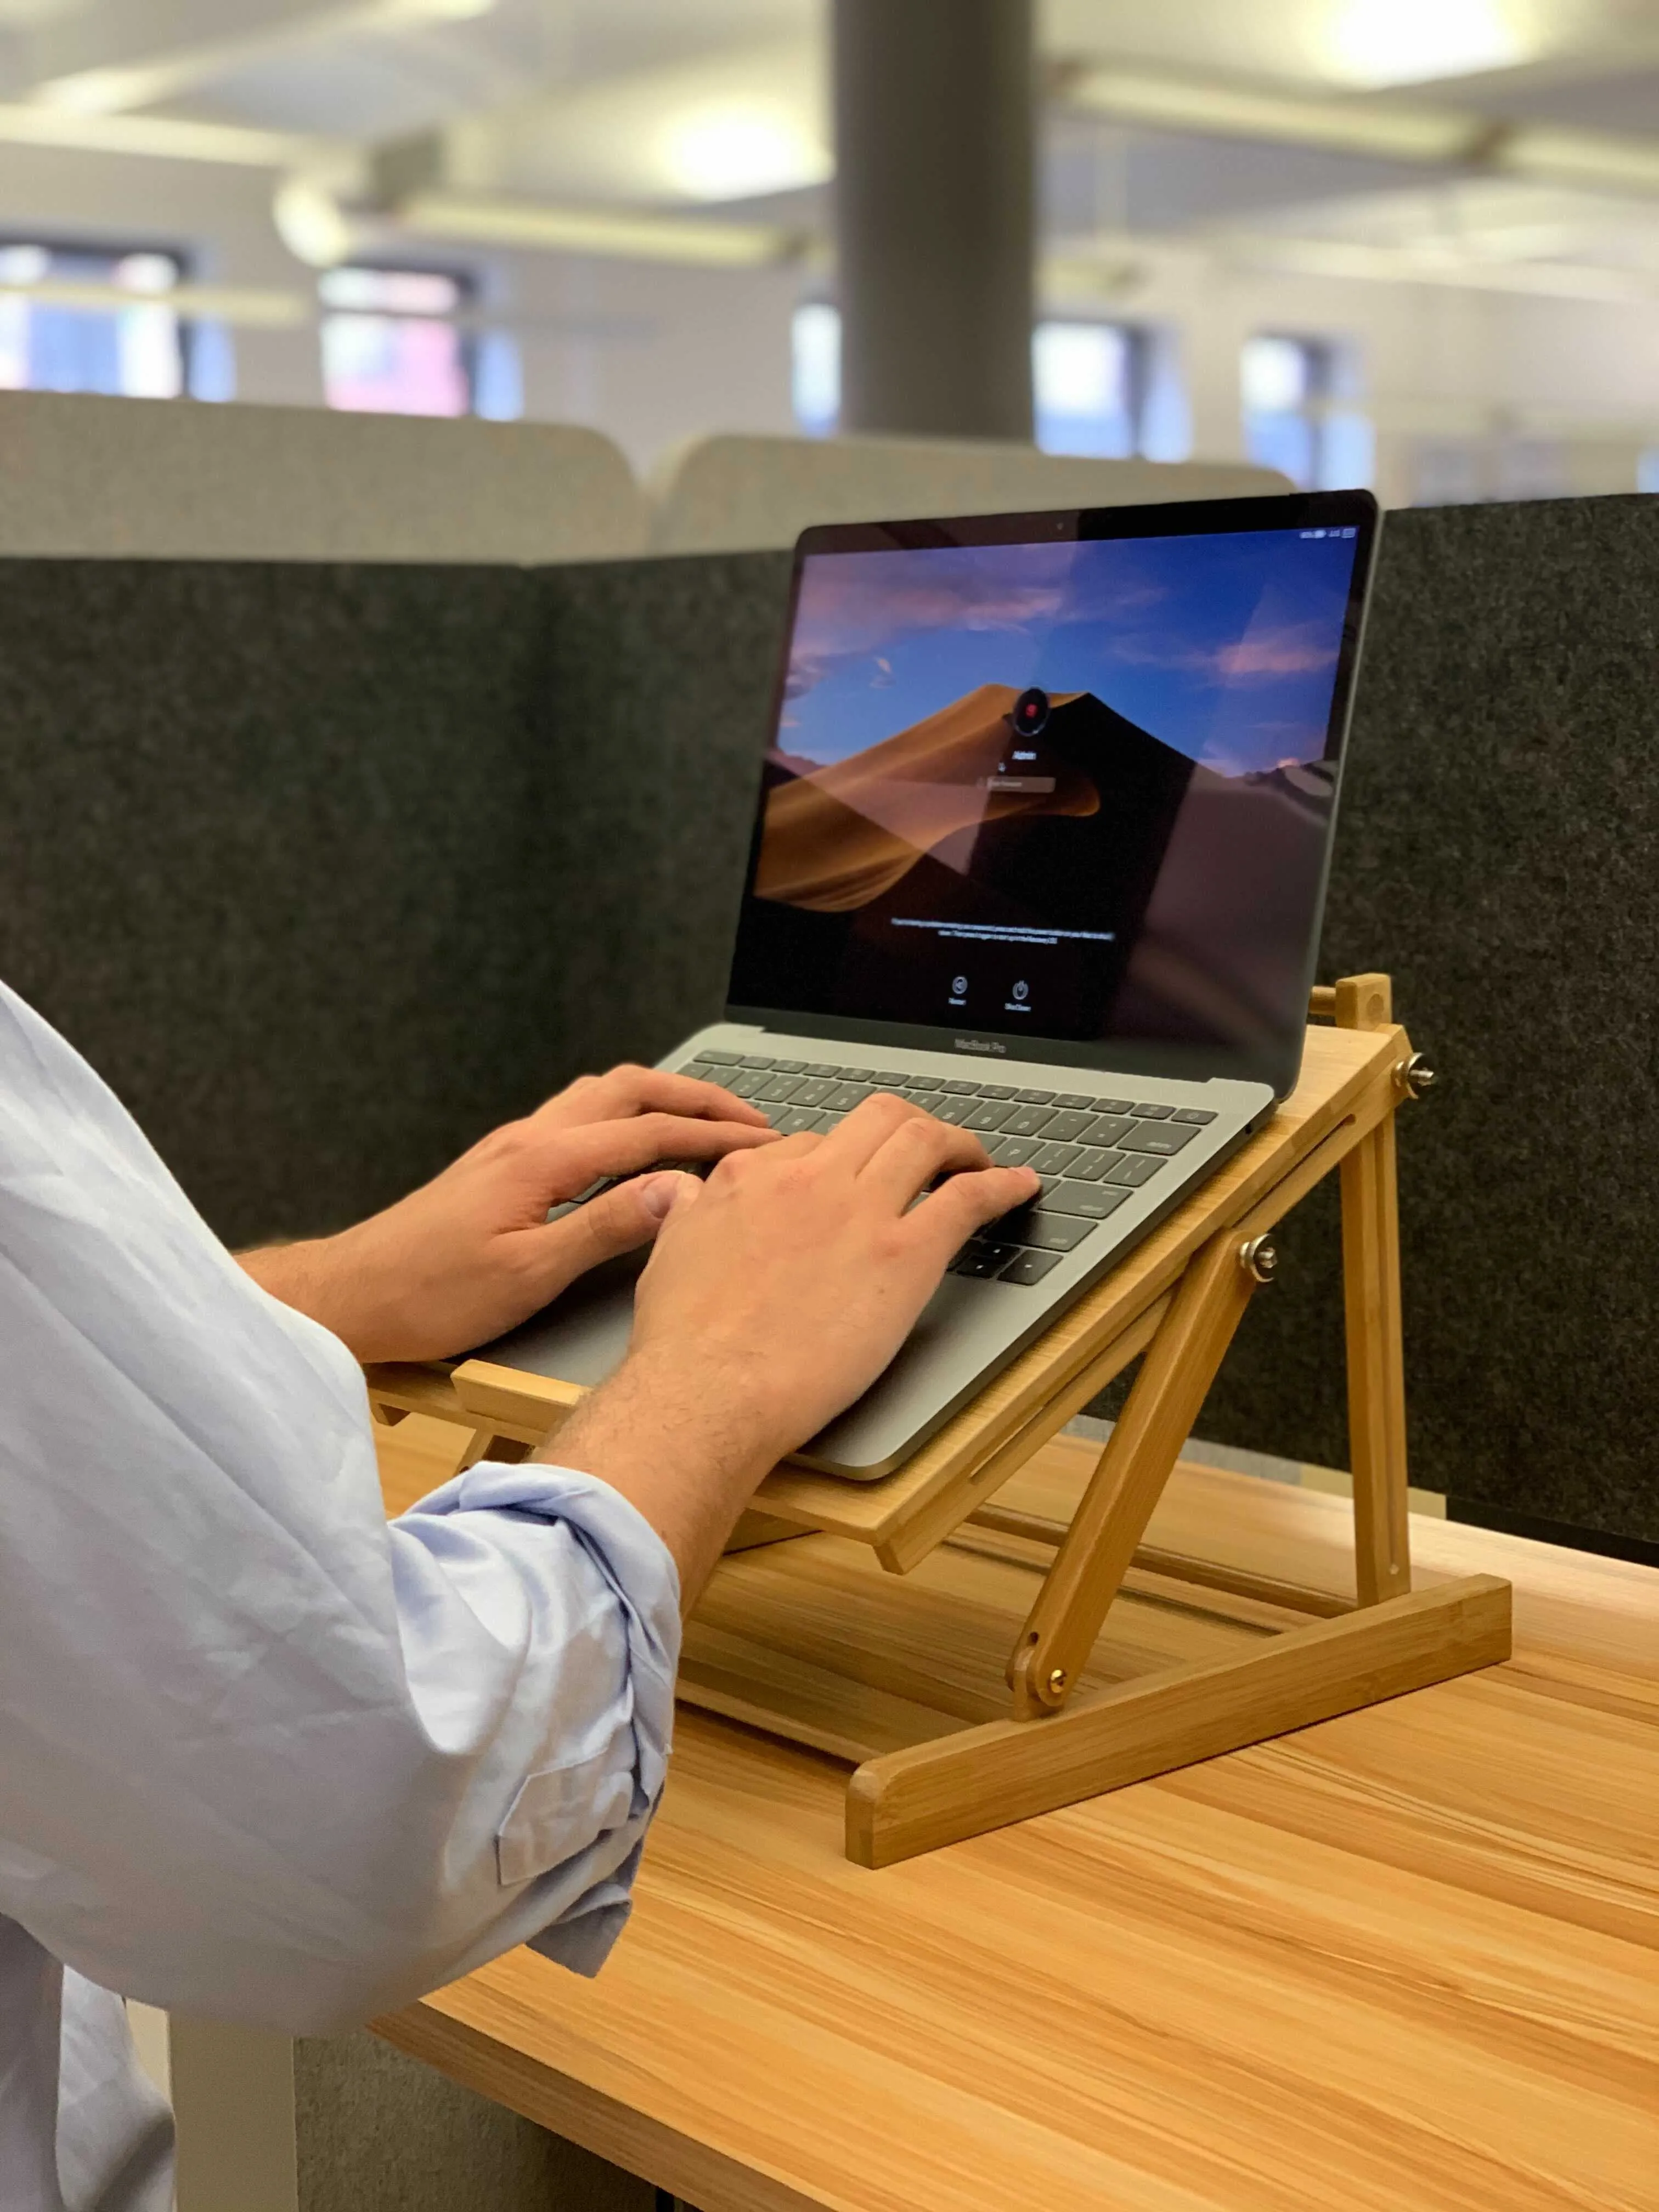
(1415, 1075)
(1056, 1682)
(1260, 1259)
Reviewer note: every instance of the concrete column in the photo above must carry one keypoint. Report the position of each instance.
(935, 215)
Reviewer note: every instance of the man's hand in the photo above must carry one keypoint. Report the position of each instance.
(472, 1253)
(778, 1291)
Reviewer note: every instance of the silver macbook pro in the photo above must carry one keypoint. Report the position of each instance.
(1041, 844)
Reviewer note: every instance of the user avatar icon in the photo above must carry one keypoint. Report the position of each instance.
(1029, 713)
(1022, 990)
(959, 985)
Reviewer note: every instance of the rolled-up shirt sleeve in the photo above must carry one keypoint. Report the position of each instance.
(570, 1839)
(264, 1755)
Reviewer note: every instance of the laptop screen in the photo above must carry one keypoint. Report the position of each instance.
(1060, 780)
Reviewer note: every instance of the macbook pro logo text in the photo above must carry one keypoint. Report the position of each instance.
(980, 1044)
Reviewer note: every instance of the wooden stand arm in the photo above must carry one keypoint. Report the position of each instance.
(1089, 1566)
(1376, 1367)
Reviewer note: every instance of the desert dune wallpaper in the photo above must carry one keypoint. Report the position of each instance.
(1142, 858)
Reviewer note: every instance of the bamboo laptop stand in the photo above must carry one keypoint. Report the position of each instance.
(816, 1653)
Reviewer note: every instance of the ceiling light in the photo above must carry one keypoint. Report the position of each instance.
(735, 149)
(490, 220)
(1379, 42)
(1402, 134)
(310, 223)
(164, 137)
(1585, 158)
(1439, 264)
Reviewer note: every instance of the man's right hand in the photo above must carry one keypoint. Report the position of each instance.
(775, 1294)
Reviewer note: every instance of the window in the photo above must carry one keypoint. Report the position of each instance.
(1295, 418)
(1099, 388)
(399, 342)
(86, 319)
(1089, 384)
(814, 367)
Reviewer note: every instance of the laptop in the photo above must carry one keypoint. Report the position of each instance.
(1041, 844)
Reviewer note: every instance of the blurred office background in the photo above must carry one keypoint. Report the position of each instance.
(1403, 242)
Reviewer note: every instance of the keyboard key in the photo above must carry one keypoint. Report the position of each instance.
(996, 1090)
(1092, 1201)
(794, 1120)
(1105, 1128)
(1035, 1097)
(923, 1083)
(1061, 1128)
(716, 1058)
(1051, 1232)
(1112, 1106)
(1153, 1112)
(1164, 1138)
(960, 1090)
(954, 1111)
(1030, 1268)
(788, 1067)
(891, 1078)
(775, 1090)
(822, 1067)
(858, 1074)
(1157, 1138)
(812, 1091)
(755, 1060)
(987, 1115)
(1192, 1114)
(1014, 1151)
(999, 1251)
(746, 1082)
(977, 1264)
(1027, 1121)
(1130, 1171)
(1090, 1164)
(1073, 1098)
(1054, 1159)
(844, 1096)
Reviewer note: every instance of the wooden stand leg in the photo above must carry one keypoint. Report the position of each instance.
(915, 1800)
(1090, 1565)
(1376, 1367)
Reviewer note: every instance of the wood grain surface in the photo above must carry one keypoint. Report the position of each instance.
(1407, 1959)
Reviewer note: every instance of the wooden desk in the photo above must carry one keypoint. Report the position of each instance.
(1408, 1960)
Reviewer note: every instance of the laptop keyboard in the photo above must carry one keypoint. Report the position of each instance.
(1091, 1151)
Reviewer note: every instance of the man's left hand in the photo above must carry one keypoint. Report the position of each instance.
(472, 1252)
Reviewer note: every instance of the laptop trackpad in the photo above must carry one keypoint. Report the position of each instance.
(582, 1336)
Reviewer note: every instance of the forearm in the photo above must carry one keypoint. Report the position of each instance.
(295, 1274)
(323, 1278)
(687, 1453)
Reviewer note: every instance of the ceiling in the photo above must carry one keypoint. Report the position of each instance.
(1504, 143)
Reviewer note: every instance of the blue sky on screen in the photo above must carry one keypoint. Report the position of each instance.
(1224, 647)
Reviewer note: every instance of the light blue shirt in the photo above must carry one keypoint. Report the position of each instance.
(263, 1756)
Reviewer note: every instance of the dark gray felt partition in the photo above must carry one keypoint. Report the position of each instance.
(330, 868)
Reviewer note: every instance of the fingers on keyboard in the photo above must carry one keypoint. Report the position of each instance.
(1093, 1153)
